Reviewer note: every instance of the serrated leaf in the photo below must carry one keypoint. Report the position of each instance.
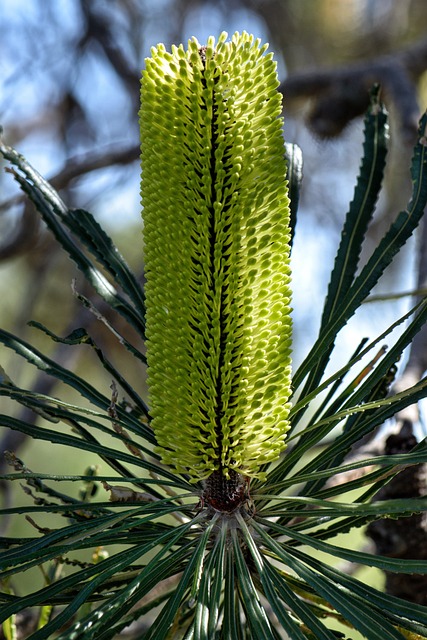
(397, 235)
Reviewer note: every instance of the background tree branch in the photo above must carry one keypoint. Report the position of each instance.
(341, 94)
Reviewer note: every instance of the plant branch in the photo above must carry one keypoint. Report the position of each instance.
(341, 94)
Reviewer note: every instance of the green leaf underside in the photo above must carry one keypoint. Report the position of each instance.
(216, 229)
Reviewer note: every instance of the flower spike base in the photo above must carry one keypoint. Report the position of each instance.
(226, 494)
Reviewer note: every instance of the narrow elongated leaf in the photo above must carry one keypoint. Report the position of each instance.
(402, 613)
(58, 541)
(368, 621)
(356, 222)
(367, 421)
(161, 626)
(362, 616)
(231, 627)
(328, 404)
(42, 362)
(106, 453)
(134, 616)
(376, 414)
(326, 508)
(158, 569)
(372, 419)
(217, 585)
(418, 455)
(397, 565)
(371, 349)
(255, 615)
(397, 235)
(83, 225)
(97, 279)
(208, 598)
(57, 411)
(382, 368)
(113, 564)
(80, 336)
(361, 207)
(302, 610)
(94, 624)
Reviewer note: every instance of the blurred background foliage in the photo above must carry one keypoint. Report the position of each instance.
(69, 96)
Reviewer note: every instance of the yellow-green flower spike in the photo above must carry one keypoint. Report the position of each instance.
(216, 214)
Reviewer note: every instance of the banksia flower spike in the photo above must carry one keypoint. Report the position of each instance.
(216, 216)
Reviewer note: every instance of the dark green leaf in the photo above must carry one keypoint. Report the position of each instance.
(83, 225)
(394, 239)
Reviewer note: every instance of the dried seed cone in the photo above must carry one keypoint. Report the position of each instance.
(216, 214)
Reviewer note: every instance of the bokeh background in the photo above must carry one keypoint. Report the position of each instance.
(69, 96)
